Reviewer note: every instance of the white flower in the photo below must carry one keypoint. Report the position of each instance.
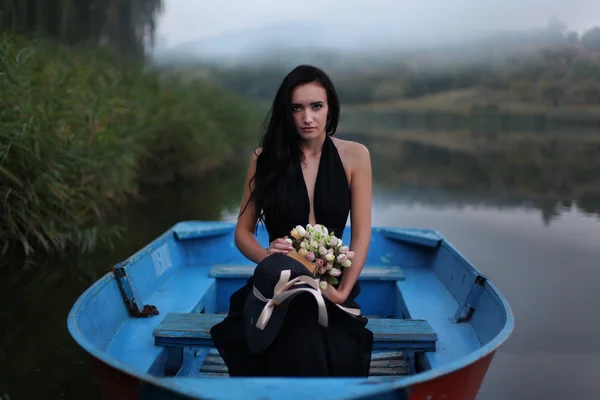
(322, 250)
(346, 263)
(325, 231)
(341, 258)
(335, 272)
(334, 241)
(339, 243)
(329, 265)
(344, 249)
(350, 254)
(323, 285)
(303, 244)
(303, 252)
(314, 244)
(330, 257)
(289, 240)
(301, 231)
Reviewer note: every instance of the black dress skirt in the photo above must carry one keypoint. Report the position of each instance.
(303, 347)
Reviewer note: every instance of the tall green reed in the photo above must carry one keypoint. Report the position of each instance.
(79, 130)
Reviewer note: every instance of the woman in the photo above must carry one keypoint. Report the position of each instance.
(302, 175)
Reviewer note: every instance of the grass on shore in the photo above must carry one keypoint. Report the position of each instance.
(79, 130)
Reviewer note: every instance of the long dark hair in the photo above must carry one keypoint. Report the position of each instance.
(281, 153)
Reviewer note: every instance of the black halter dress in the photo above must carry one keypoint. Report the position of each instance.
(302, 346)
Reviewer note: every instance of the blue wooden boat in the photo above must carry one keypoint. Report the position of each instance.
(437, 320)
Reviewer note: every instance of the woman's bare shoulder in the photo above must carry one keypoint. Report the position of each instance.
(252, 165)
(254, 156)
(353, 154)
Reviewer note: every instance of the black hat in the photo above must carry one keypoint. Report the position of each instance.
(276, 269)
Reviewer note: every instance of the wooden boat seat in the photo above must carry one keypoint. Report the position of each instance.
(207, 363)
(192, 330)
(372, 272)
(378, 286)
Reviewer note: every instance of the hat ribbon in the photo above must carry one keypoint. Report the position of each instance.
(283, 290)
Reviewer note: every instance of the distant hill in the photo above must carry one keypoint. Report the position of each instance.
(267, 44)
(335, 45)
(517, 71)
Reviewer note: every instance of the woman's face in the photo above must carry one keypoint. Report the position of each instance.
(309, 109)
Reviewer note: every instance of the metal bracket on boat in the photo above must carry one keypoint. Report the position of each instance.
(468, 305)
(129, 297)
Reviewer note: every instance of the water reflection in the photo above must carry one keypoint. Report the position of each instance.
(35, 346)
(549, 275)
(549, 174)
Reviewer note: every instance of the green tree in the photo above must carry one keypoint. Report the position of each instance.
(388, 91)
(591, 39)
(573, 37)
(586, 92)
(552, 91)
(523, 88)
(556, 29)
(127, 26)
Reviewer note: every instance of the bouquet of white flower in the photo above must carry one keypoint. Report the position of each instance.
(325, 252)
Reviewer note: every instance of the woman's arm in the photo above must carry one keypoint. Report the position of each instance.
(360, 216)
(244, 230)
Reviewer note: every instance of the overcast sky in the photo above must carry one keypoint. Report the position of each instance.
(185, 20)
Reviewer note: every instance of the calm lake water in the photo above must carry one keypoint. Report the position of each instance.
(524, 209)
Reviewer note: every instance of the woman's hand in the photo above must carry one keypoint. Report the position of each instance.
(334, 295)
(280, 245)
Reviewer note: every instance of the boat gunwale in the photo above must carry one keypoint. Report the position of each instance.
(382, 385)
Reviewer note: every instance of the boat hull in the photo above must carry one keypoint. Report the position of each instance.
(462, 384)
(128, 365)
(114, 383)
